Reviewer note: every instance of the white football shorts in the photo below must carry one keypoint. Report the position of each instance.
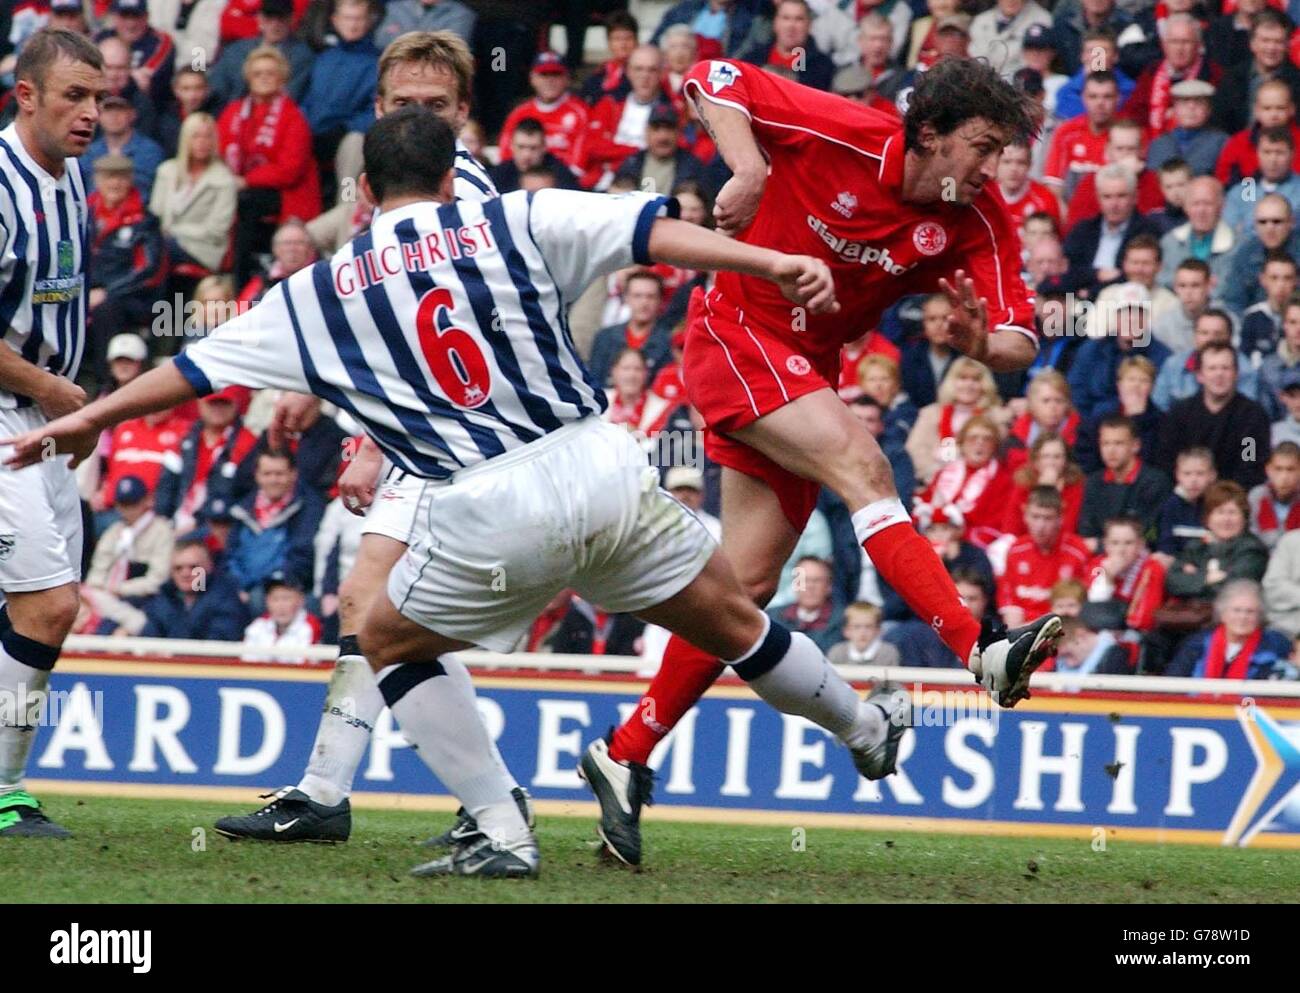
(40, 516)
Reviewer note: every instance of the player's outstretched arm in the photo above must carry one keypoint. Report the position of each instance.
(803, 279)
(76, 433)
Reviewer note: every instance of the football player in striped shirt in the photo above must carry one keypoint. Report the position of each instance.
(443, 331)
(60, 80)
(432, 69)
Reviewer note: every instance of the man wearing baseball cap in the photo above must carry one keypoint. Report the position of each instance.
(153, 53)
(286, 622)
(131, 562)
(1039, 53)
(274, 28)
(119, 136)
(207, 464)
(663, 163)
(562, 115)
(997, 34)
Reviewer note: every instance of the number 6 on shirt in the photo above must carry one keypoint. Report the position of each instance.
(454, 357)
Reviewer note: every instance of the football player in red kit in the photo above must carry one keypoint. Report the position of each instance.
(894, 208)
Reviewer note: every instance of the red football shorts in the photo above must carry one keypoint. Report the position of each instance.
(734, 375)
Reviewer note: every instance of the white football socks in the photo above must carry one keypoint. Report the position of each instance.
(22, 696)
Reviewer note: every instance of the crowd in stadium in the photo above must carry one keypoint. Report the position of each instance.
(1141, 479)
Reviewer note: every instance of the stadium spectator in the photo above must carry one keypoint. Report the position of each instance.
(997, 33)
(316, 451)
(196, 602)
(139, 447)
(1227, 40)
(266, 142)
(1068, 597)
(127, 359)
(1275, 503)
(621, 33)
(588, 630)
(118, 136)
(1044, 556)
(286, 622)
(1231, 425)
(1046, 410)
(1049, 465)
(528, 152)
(274, 528)
(1191, 137)
(1023, 196)
(680, 53)
(1139, 263)
(117, 77)
(920, 50)
(1135, 379)
(1178, 376)
(209, 455)
(1038, 51)
(1285, 359)
(1151, 103)
(1078, 145)
(1273, 109)
(631, 403)
(643, 331)
(132, 556)
(401, 16)
(1180, 517)
(1175, 326)
(1240, 646)
(1044, 259)
(153, 53)
(1288, 427)
(1261, 323)
(1094, 247)
(1282, 585)
(1205, 236)
(971, 490)
(1099, 53)
(1228, 550)
(967, 389)
(722, 27)
(126, 262)
(1269, 30)
(1123, 147)
(1275, 173)
(925, 363)
(1126, 583)
(1275, 232)
(617, 128)
(240, 20)
(1124, 486)
(792, 46)
(813, 611)
(562, 116)
(273, 29)
(191, 95)
(862, 644)
(1072, 22)
(1125, 324)
(1087, 649)
(873, 73)
(878, 378)
(662, 164)
(194, 197)
(1174, 176)
(292, 249)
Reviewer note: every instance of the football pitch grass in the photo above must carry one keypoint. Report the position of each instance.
(143, 851)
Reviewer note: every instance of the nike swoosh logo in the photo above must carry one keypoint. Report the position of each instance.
(286, 825)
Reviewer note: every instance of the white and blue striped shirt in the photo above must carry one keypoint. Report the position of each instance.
(472, 181)
(43, 251)
(442, 329)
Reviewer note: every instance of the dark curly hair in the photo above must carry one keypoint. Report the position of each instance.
(955, 90)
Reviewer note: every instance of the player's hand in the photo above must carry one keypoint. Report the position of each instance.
(968, 324)
(75, 434)
(737, 203)
(806, 281)
(293, 413)
(359, 479)
(60, 396)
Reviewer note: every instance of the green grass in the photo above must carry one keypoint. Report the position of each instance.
(141, 851)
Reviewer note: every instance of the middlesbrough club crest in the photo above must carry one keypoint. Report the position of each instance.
(798, 365)
(929, 238)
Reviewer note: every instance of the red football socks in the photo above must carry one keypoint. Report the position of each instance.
(683, 677)
(909, 564)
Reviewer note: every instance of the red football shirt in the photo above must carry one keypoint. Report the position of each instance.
(1074, 148)
(1030, 574)
(834, 192)
(1036, 197)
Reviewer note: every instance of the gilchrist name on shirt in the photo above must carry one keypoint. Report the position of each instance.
(377, 264)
